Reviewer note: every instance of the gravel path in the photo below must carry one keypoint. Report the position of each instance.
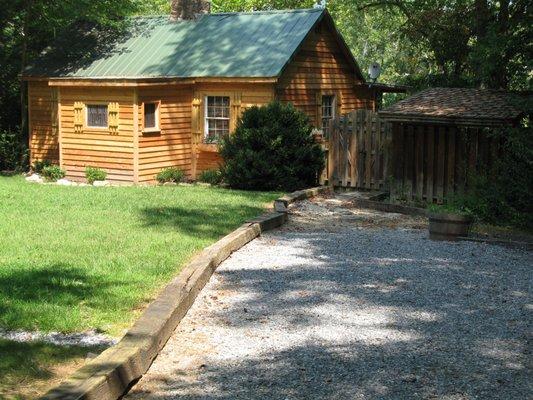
(343, 303)
(82, 339)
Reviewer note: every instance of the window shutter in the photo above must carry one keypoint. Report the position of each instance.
(318, 107)
(196, 119)
(78, 117)
(237, 106)
(113, 117)
(55, 119)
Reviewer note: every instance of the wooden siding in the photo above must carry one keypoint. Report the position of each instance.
(321, 68)
(43, 123)
(242, 96)
(97, 147)
(171, 146)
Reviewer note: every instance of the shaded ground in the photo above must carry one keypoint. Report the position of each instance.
(343, 303)
(27, 370)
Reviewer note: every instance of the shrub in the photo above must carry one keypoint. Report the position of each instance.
(13, 153)
(95, 174)
(172, 174)
(272, 149)
(38, 166)
(53, 173)
(212, 176)
(453, 206)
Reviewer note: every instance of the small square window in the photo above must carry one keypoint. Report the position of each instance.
(97, 116)
(150, 116)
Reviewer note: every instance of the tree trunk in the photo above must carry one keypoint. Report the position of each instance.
(24, 134)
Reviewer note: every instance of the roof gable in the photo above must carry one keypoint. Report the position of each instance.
(257, 44)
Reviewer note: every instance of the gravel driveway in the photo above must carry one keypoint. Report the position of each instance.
(343, 303)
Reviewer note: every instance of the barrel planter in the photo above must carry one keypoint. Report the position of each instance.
(448, 226)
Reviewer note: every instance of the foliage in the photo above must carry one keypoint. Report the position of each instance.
(74, 259)
(503, 195)
(53, 173)
(39, 165)
(212, 176)
(171, 174)
(13, 154)
(452, 206)
(95, 174)
(272, 149)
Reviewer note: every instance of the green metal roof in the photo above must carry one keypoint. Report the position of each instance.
(256, 44)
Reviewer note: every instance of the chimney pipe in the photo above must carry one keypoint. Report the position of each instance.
(189, 9)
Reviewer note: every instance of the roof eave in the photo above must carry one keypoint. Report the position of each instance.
(442, 120)
(143, 81)
(386, 88)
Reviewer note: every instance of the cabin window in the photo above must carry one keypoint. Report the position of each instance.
(216, 118)
(97, 115)
(328, 112)
(150, 114)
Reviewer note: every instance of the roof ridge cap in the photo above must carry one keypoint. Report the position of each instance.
(285, 11)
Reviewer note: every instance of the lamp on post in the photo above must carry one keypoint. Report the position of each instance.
(374, 70)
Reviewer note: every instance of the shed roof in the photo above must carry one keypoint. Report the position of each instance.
(256, 44)
(462, 106)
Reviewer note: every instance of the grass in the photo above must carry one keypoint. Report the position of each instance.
(29, 369)
(79, 258)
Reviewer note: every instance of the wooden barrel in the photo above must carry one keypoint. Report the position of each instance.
(445, 226)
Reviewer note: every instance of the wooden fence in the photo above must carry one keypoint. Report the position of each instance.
(358, 150)
(432, 162)
(411, 160)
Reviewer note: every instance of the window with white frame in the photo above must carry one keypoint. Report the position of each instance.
(217, 118)
(328, 112)
(150, 115)
(97, 115)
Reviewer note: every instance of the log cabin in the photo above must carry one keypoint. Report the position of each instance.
(162, 93)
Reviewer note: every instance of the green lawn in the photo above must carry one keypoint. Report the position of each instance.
(79, 258)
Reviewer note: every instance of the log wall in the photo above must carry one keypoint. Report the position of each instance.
(321, 68)
(111, 150)
(241, 96)
(171, 145)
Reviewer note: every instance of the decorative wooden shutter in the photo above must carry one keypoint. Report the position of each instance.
(236, 108)
(55, 121)
(112, 110)
(338, 103)
(196, 119)
(318, 122)
(78, 117)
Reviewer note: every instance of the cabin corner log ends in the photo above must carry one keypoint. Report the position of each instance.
(113, 372)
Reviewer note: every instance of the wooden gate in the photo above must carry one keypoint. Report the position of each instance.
(358, 150)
